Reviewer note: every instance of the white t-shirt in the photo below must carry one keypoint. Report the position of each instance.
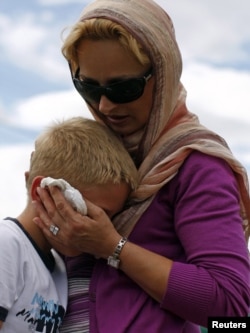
(33, 287)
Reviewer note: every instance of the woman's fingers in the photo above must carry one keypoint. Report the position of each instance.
(94, 212)
(69, 231)
(58, 241)
(61, 240)
(53, 200)
(53, 207)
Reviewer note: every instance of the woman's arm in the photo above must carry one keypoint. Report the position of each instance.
(214, 279)
(148, 269)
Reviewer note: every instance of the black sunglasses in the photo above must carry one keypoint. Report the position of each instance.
(124, 91)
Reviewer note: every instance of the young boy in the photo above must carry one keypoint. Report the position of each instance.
(33, 282)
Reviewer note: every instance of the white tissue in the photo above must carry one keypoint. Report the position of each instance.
(71, 194)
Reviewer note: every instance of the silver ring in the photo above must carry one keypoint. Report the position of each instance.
(54, 229)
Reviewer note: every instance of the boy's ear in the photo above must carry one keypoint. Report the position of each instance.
(35, 183)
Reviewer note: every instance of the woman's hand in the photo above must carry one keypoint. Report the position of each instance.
(94, 233)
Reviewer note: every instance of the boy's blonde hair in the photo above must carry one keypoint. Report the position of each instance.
(83, 152)
(100, 29)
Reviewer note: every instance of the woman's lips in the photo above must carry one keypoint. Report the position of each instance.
(117, 120)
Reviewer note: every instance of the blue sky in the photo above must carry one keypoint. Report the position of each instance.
(214, 38)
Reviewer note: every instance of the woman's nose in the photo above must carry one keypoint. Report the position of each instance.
(106, 106)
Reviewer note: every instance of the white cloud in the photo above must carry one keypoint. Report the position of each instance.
(211, 30)
(38, 111)
(218, 91)
(14, 38)
(13, 196)
(31, 42)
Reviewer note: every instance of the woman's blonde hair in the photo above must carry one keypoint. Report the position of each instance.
(100, 29)
(83, 152)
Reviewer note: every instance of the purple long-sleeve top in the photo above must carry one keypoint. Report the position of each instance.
(194, 220)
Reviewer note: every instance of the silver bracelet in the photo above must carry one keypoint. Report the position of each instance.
(114, 260)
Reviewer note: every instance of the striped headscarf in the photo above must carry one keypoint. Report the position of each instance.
(172, 132)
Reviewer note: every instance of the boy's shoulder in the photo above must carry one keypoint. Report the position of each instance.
(10, 232)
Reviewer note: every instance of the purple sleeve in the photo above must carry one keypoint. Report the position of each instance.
(215, 279)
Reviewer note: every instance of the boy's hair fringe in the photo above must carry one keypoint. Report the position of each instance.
(83, 152)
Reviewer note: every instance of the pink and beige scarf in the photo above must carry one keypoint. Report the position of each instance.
(172, 132)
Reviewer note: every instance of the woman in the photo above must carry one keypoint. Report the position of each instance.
(186, 257)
